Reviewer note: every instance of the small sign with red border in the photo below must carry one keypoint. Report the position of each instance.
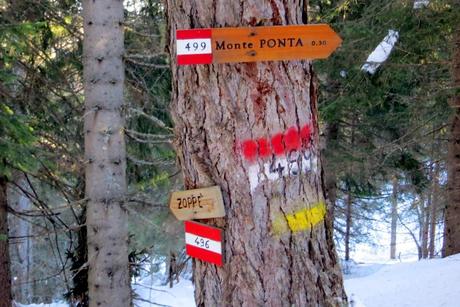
(203, 242)
(194, 47)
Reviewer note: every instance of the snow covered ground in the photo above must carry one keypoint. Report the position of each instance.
(426, 283)
(56, 304)
(180, 295)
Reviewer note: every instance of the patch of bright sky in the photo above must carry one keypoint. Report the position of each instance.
(133, 5)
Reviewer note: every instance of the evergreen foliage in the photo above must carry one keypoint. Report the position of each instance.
(376, 127)
(387, 121)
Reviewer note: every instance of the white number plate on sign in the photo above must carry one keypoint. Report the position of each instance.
(201, 242)
(194, 46)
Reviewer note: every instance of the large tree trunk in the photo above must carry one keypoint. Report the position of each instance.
(275, 254)
(394, 218)
(105, 188)
(452, 218)
(5, 277)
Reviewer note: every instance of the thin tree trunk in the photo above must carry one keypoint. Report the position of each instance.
(421, 218)
(426, 223)
(105, 188)
(5, 277)
(434, 209)
(330, 177)
(21, 250)
(348, 220)
(394, 218)
(273, 255)
(349, 200)
(452, 217)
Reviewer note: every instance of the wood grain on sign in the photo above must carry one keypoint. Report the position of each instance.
(273, 43)
(197, 204)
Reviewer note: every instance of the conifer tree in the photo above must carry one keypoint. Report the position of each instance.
(107, 229)
(268, 259)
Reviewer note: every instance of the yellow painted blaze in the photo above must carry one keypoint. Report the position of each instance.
(301, 220)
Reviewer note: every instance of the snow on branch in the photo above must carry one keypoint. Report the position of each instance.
(418, 4)
(381, 52)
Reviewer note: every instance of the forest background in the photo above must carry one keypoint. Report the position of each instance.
(384, 134)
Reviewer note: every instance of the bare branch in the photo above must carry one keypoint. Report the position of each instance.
(145, 202)
(154, 119)
(158, 66)
(155, 162)
(149, 138)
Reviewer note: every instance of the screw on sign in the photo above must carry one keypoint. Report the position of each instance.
(203, 242)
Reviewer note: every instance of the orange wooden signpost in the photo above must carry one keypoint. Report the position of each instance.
(229, 45)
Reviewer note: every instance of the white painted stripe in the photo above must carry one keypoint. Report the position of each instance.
(194, 46)
(204, 243)
(254, 176)
(281, 167)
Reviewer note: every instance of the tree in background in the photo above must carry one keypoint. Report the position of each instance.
(105, 155)
(5, 276)
(42, 88)
(396, 113)
(16, 147)
(214, 107)
(452, 220)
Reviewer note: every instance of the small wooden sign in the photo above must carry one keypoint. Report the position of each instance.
(275, 43)
(197, 204)
(203, 242)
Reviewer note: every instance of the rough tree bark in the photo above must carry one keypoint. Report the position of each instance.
(452, 217)
(5, 276)
(270, 260)
(105, 154)
(394, 218)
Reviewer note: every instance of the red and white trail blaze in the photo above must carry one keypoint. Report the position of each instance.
(203, 242)
(282, 155)
(194, 47)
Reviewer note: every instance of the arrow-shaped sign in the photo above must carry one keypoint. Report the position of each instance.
(202, 203)
(227, 45)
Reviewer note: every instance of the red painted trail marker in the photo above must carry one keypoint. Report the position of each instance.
(203, 242)
(279, 144)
